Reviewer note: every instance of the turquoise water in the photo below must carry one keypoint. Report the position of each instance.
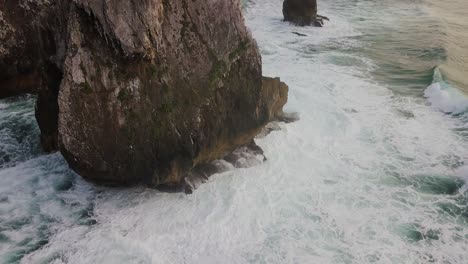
(374, 171)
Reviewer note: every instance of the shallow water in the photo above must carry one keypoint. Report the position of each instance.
(373, 172)
(453, 17)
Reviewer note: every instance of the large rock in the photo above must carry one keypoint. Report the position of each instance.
(302, 12)
(137, 91)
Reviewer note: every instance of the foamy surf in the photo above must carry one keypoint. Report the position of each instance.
(462, 172)
(446, 97)
(365, 176)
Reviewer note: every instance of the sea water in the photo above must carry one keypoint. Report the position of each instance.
(373, 172)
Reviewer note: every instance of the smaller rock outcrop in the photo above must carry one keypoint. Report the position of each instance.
(302, 13)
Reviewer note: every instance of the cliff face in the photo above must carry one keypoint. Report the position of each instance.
(30, 58)
(137, 91)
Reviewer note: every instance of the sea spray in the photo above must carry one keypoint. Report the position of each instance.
(444, 96)
(369, 174)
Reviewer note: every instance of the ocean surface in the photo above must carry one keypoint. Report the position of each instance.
(374, 171)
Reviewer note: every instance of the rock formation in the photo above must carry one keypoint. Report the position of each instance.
(302, 12)
(137, 91)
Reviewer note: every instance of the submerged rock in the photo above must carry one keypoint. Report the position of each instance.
(302, 13)
(243, 157)
(137, 91)
(299, 34)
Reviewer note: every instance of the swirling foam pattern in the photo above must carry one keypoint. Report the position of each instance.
(371, 173)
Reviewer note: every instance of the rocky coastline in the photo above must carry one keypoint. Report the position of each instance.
(137, 91)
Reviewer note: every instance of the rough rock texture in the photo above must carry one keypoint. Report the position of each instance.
(137, 90)
(302, 12)
(29, 61)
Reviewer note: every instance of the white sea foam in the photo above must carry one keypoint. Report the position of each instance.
(358, 179)
(19, 135)
(39, 198)
(462, 172)
(447, 99)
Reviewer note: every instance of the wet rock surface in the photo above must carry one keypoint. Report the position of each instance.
(137, 91)
(302, 13)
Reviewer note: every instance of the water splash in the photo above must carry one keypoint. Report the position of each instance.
(444, 96)
(369, 174)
